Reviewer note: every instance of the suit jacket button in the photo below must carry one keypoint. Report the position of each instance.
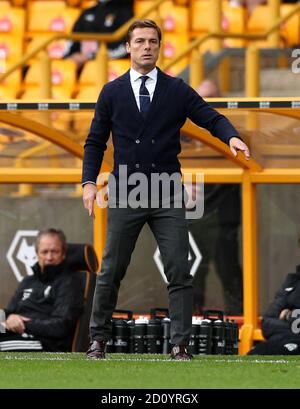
(137, 165)
(137, 141)
(152, 140)
(153, 165)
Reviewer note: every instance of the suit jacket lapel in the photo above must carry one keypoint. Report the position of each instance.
(158, 96)
(129, 95)
(156, 103)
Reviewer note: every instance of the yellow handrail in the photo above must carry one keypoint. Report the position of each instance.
(254, 37)
(120, 33)
(252, 56)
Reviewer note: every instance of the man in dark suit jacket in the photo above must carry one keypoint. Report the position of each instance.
(145, 110)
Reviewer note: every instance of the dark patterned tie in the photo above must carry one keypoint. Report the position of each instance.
(144, 96)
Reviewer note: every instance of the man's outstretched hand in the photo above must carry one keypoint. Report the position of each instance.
(237, 144)
(89, 196)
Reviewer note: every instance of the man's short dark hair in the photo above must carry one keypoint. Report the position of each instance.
(52, 232)
(143, 24)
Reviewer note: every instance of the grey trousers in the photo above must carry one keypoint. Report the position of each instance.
(170, 230)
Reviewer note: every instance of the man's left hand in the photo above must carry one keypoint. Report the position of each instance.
(16, 323)
(285, 314)
(237, 144)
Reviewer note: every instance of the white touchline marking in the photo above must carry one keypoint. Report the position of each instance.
(112, 359)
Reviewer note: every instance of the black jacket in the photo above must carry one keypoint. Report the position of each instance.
(150, 144)
(54, 301)
(103, 18)
(288, 296)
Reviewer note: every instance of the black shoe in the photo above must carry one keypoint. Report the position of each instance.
(180, 353)
(96, 350)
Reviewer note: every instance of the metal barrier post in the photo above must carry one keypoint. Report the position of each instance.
(252, 71)
(102, 65)
(216, 24)
(275, 14)
(196, 69)
(46, 81)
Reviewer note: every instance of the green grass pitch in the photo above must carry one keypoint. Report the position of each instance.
(73, 370)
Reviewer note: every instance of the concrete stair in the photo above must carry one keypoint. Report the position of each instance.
(279, 82)
(275, 82)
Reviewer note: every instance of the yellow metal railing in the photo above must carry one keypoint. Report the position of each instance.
(197, 71)
(102, 56)
(252, 54)
(247, 173)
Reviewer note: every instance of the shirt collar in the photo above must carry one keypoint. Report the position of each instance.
(134, 75)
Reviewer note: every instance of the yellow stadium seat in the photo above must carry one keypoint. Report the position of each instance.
(73, 3)
(142, 5)
(12, 21)
(5, 5)
(63, 77)
(10, 87)
(234, 21)
(178, 67)
(88, 92)
(88, 3)
(33, 93)
(56, 17)
(115, 69)
(173, 44)
(200, 15)
(88, 75)
(63, 73)
(258, 21)
(174, 18)
(45, 6)
(19, 3)
(55, 49)
(11, 48)
(290, 30)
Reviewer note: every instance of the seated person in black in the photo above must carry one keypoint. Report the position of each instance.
(281, 322)
(105, 17)
(43, 312)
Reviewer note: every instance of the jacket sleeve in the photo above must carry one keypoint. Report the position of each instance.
(96, 142)
(66, 310)
(271, 324)
(13, 305)
(203, 115)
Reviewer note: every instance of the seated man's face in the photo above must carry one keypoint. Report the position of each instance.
(50, 251)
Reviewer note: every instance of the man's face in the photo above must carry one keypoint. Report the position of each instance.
(50, 251)
(144, 49)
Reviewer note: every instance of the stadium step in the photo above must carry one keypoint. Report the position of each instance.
(279, 79)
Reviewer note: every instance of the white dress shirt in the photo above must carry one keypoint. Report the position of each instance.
(135, 80)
